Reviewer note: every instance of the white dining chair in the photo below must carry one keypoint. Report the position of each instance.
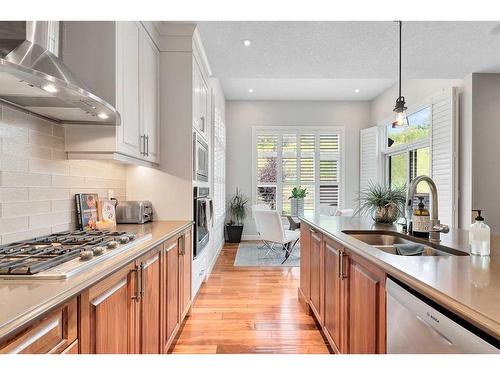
(260, 207)
(273, 233)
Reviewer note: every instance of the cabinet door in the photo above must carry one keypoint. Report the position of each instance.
(334, 318)
(150, 94)
(366, 307)
(204, 104)
(54, 333)
(305, 263)
(127, 87)
(108, 314)
(149, 303)
(170, 302)
(196, 95)
(316, 275)
(185, 260)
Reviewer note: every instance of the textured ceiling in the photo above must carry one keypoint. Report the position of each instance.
(329, 60)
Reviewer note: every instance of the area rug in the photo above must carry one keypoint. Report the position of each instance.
(249, 255)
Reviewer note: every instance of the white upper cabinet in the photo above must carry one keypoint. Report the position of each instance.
(200, 101)
(129, 140)
(150, 94)
(125, 69)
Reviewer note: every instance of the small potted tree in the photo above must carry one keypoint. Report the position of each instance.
(238, 213)
(297, 200)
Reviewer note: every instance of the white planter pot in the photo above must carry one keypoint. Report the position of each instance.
(297, 206)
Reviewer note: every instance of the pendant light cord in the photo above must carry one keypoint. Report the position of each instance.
(400, 27)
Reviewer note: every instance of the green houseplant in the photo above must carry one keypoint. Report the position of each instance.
(237, 212)
(385, 204)
(297, 200)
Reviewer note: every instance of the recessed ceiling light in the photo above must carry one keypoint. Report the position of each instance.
(102, 115)
(246, 42)
(356, 91)
(250, 90)
(50, 88)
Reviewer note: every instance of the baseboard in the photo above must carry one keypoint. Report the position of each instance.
(250, 237)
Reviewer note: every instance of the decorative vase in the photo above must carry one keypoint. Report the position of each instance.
(386, 215)
(297, 206)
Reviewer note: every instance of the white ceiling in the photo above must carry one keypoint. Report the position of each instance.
(329, 60)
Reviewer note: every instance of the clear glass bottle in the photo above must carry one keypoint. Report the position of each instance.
(479, 236)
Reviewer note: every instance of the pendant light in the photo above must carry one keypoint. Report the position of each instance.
(400, 119)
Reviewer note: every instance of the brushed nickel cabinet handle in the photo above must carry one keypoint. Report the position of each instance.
(143, 280)
(312, 231)
(137, 295)
(147, 145)
(342, 276)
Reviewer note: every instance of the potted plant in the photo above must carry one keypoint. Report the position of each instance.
(385, 204)
(297, 200)
(238, 213)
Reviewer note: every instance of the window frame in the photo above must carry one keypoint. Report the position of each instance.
(406, 148)
(280, 130)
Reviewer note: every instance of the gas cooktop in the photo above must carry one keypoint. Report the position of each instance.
(62, 255)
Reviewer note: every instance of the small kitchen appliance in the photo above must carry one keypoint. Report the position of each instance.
(134, 212)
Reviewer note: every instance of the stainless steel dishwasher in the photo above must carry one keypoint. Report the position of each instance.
(414, 326)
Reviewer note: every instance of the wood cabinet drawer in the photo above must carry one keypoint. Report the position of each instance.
(52, 334)
(72, 348)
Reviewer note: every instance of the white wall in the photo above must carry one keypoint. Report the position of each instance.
(166, 192)
(241, 116)
(414, 91)
(485, 147)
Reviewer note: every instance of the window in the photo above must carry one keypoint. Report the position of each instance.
(407, 150)
(289, 157)
(219, 194)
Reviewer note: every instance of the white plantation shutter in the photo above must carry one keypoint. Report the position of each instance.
(329, 172)
(219, 193)
(369, 155)
(444, 143)
(305, 157)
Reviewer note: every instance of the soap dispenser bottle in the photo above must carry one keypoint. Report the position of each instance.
(479, 236)
(421, 220)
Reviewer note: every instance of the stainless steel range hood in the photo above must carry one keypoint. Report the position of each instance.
(35, 79)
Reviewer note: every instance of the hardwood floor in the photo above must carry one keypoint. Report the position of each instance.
(249, 310)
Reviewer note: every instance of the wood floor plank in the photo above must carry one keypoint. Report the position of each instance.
(249, 310)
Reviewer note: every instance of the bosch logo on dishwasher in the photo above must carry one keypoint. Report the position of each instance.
(433, 317)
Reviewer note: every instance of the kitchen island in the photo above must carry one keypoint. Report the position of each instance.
(468, 286)
(31, 308)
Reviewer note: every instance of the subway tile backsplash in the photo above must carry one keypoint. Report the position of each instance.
(38, 183)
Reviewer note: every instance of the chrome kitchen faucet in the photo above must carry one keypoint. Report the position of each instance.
(436, 226)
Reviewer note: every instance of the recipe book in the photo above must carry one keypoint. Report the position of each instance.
(87, 210)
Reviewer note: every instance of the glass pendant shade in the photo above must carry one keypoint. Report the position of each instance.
(400, 118)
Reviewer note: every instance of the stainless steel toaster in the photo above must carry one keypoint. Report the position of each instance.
(137, 212)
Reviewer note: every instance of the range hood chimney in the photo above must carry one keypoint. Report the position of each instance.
(35, 79)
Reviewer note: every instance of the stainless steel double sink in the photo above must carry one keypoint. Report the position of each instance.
(386, 241)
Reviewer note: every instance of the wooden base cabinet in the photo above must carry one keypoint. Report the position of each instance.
(316, 275)
(148, 303)
(55, 333)
(346, 294)
(335, 293)
(366, 293)
(108, 314)
(185, 262)
(170, 295)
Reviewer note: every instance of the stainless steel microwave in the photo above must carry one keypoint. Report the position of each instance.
(200, 158)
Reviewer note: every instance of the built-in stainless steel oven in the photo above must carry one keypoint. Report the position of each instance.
(203, 215)
(200, 158)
